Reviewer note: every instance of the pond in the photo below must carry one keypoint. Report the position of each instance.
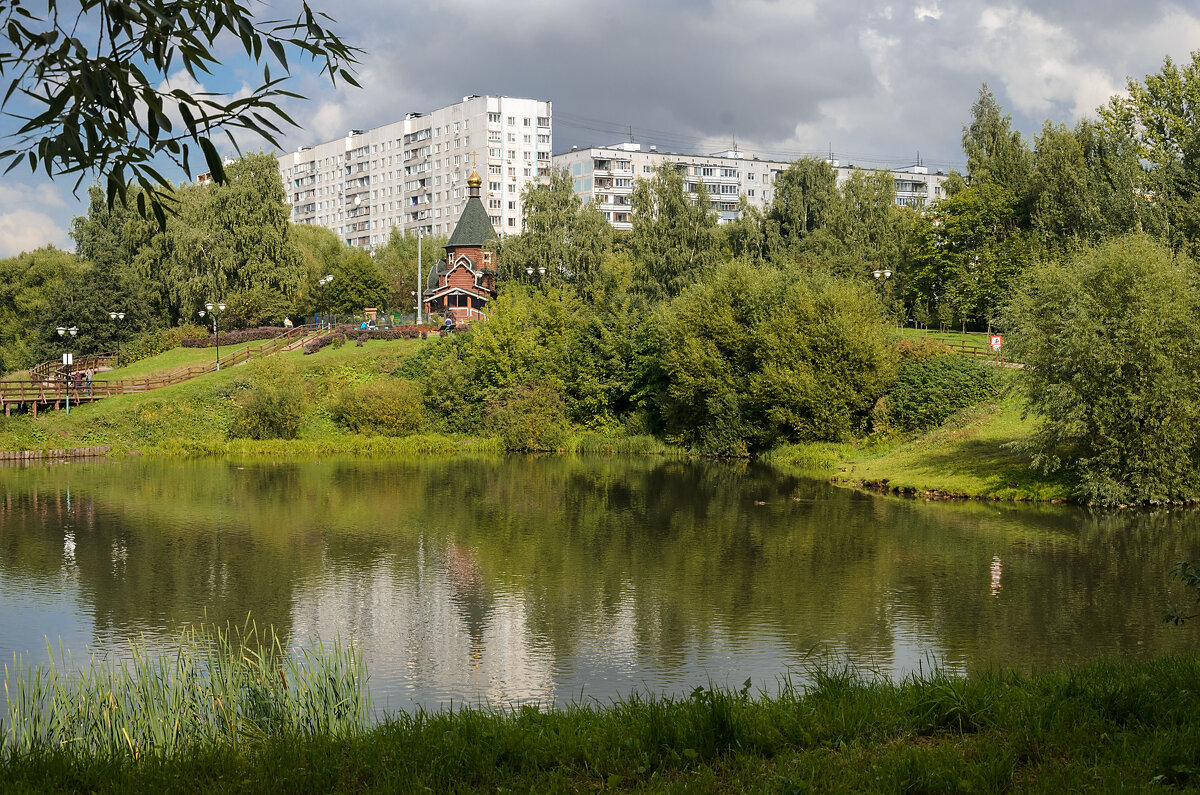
(497, 580)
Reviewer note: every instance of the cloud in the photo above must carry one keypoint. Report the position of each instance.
(26, 230)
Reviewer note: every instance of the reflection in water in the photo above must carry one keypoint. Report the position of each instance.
(546, 579)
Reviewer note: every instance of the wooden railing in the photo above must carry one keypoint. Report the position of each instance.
(52, 370)
(975, 351)
(55, 389)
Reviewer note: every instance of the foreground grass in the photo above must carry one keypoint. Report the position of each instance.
(972, 455)
(1106, 726)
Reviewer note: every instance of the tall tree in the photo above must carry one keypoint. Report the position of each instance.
(674, 236)
(995, 152)
(805, 200)
(30, 287)
(563, 239)
(397, 260)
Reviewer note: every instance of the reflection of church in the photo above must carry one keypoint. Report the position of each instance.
(461, 285)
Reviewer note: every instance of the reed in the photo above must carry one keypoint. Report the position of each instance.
(234, 687)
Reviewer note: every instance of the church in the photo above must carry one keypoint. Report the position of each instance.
(461, 285)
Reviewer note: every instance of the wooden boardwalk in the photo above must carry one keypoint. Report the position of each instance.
(48, 388)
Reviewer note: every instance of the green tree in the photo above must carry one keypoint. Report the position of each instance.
(674, 236)
(1111, 343)
(805, 200)
(30, 286)
(109, 110)
(1166, 106)
(995, 152)
(357, 283)
(397, 260)
(563, 239)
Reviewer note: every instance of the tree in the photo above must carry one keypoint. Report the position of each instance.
(397, 260)
(562, 238)
(112, 111)
(1111, 344)
(674, 236)
(995, 152)
(357, 283)
(222, 240)
(805, 198)
(1166, 107)
(30, 286)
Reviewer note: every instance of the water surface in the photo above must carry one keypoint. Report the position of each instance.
(514, 579)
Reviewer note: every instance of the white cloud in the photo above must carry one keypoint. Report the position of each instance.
(26, 230)
(1041, 65)
(924, 12)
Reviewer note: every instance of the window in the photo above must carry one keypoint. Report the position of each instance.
(512, 138)
(495, 219)
(494, 204)
(750, 177)
(495, 153)
(493, 169)
(494, 118)
(512, 155)
(495, 186)
(511, 120)
(494, 135)
(512, 188)
(526, 121)
(512, 221)
(543, 121)
(455, 126)
(512, 171)
(647, 169)
(527, 138)
(706, 172)
(511, 205)
(543, 139)
(529, 172)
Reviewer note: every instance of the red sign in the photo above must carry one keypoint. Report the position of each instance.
(996, 340)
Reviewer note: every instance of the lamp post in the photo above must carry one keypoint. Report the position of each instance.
(215, 310)
(324, 282)
(118, 317)
(68, 359)
(881, 278)
(420, 233)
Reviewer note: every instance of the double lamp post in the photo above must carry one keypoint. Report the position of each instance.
(214, 311)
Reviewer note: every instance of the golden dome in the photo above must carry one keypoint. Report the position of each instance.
(474, 181)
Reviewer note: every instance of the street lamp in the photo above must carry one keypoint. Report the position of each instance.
(420, 232)
(323, 282)
(118, 317)
(68, 360)
(215, 310)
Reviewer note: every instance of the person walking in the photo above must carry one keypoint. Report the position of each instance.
(87, 382)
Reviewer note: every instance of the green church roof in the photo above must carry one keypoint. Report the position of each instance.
(474, 227)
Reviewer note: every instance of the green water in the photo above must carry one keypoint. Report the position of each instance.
(513, 579)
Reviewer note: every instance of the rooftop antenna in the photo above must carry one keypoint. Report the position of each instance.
(631, 133)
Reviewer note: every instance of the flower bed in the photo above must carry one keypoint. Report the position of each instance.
(235, 337)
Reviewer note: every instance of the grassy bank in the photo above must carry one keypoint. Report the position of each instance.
(972, 455)
(1106, 725)
(194, 417)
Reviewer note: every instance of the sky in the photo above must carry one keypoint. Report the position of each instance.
(877, 84)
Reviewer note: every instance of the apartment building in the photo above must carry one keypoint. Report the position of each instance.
(605, 175)
(412, 174)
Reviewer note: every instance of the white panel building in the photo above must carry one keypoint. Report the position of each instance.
(606, 174)
(412, 174)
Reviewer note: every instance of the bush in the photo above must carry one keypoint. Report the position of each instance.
(1111, 343)
(388, 407)
(529, 416)
(928, 390)
(314, 345)
(919, 349)
(273, 405)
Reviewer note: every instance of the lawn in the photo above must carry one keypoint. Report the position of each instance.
(171, 360)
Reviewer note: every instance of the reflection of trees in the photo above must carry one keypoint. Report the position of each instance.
(678, 554)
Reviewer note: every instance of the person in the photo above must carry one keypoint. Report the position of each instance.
(371, 324)
(449, 323)
(287, 322)
(87, 381)
(362, 326)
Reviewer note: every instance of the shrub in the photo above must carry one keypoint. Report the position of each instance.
(919, 349)
(273, 405)
(387, 407)
(337, 338)
(928, 390)
(530, 416)
(1111, 343)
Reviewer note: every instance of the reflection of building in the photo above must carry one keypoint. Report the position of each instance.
(461, 285)
(432, 628)
(605, 175)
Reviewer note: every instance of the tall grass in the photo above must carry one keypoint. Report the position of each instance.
(231, 687)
